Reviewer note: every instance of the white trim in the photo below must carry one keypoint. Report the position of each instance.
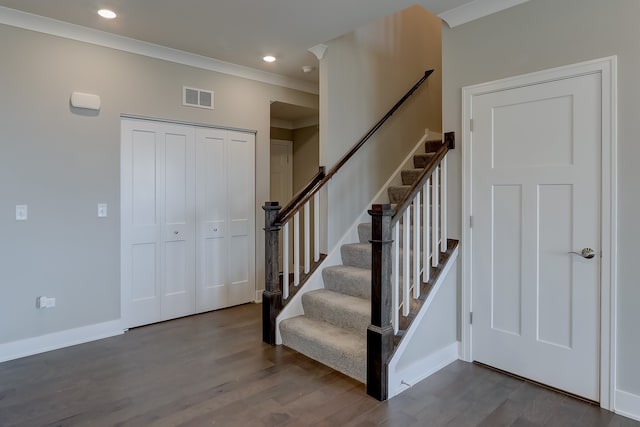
(476, 9)
(628, 405)
(56, 340)
(41, 24)
(607, 68)
(424, 368)
(258, 299)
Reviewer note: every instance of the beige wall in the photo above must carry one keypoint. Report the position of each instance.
(541, 34)
(305, 156)
(281, 133)
(362, 75)
(63, 162)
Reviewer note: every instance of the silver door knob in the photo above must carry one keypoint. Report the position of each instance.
(587, 253)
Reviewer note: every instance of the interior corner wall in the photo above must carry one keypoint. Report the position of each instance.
(362, 75)
(62, 162)
(305, 156)
(542, 34)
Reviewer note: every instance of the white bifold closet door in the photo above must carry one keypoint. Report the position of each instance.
(187, 220)
(225, 194)
(158, 221)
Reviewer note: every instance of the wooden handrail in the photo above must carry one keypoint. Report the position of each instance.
(284, 213)
(418, 183)
(313, 187)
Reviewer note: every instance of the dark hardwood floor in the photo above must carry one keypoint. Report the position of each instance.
(213, 370)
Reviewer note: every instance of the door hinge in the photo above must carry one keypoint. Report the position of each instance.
(471, 125)
(471, 318)
(471, 221)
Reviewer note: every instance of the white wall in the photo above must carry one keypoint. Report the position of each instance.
(62, 162)
(542, 34)
(362, 75)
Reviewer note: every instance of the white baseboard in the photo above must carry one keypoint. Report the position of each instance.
(30, 346)
(424, 368)
(627, 404)
(258, 299)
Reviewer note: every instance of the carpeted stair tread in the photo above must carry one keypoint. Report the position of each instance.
(348, 280)
(397, 192)
(356, 255)
(341, 349)
(432, 146)
(409, 176)
(422, 159)
(341, 310)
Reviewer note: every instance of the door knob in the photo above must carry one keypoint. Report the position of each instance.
(587, 253)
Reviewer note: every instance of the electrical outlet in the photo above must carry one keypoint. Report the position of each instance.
(21, 212)
(102, 210)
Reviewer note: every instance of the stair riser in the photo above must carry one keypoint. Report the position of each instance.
(356, 255)
(350, 361)
(354, 283)
(356, 316)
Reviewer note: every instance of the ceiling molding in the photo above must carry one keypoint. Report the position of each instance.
(476, 9)
(66, 30)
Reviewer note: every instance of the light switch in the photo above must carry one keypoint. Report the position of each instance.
(21, 212)
(102, 210)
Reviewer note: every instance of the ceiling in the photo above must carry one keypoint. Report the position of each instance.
(243, 31)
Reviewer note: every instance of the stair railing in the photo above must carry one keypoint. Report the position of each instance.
(401, 274)
(279, 291)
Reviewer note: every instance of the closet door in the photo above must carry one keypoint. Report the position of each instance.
(241, 199)
(211, 166)
(178, 222)
(158, 221)
(226, 218)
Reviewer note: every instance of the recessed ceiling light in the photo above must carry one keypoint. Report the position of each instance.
(107, 14)
(269, 58)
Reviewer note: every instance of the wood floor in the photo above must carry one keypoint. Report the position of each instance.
(213, 370)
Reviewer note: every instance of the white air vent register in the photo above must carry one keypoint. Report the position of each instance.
(199, 98)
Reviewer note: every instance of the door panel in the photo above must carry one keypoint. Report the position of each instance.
(536, 174)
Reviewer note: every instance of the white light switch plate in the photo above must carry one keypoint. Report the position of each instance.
(102, 210)
(21, 212)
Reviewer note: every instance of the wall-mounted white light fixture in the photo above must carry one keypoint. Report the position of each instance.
(85, 100)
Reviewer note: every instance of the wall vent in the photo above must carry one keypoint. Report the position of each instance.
(199, 98)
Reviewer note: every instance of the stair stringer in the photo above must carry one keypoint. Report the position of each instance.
(315, 281)
(431, 342)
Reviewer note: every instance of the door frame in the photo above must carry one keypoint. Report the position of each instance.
(607, 68)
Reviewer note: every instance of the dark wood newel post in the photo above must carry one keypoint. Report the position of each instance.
(272, 295)
(380, 331)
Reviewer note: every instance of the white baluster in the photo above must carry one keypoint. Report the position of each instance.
(395, 287)
(426, 230)
(285, 261)
(443, 205)
(416, 246)
(316, 227)
(435, 230)
(296, 249)
(307, 238)
(406, 258)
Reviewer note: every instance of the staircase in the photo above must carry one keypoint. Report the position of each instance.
(333, 328)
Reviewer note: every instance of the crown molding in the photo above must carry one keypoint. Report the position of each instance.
(28, 21)
(476, 9)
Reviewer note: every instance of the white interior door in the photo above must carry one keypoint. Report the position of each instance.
(281, 170)
(535, 177)
(158, 221)
(281, 182)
